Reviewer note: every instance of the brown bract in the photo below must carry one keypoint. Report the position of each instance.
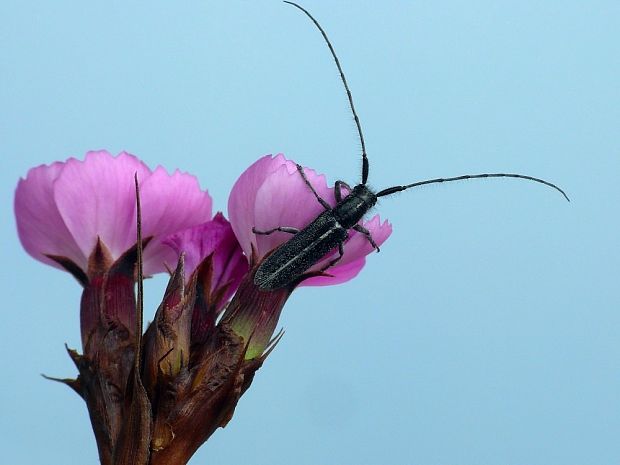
(189, 380)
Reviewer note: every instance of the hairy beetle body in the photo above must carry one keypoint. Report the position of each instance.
(292, 259)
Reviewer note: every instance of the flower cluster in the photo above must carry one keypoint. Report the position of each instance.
(155, 398)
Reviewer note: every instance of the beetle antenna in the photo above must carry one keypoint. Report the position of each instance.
(393, 190)
(346, 86)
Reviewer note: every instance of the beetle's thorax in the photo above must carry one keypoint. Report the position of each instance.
(354, 206)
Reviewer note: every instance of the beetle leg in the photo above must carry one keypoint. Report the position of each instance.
(326, 206)
(338, 190)
(279, 228)
(335, 260)
(361, 229)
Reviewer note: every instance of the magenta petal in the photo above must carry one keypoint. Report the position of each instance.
(242, 199)
(63, 209)
(358, 245)
(40, 226)
(338, 275)
(170, 203)
(285, 200)
(229, 264)
(269, 194)
(214, 238)
(96, 198)
(355, 251)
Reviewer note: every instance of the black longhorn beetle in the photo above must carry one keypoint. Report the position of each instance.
(288, 263)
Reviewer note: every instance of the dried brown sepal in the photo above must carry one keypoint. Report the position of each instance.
(119, 306)
(167, 339)
(196, 401)
(160, 405)
(133, 445)
(70, 266)
(107, 307)
(209, 298)
(203, 316)
(167, 351)
(101, 403)
(205, 399)
(99, 262)
(108, 299)
(74, 384)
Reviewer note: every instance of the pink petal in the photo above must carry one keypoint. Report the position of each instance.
(230, 265)
(64, 208)
(96, 198)
(40, 226)
(170, 203)
(355, 251)
(272, 193)
(340, 274)
(285, 200)
(212, 237)
(243, 198)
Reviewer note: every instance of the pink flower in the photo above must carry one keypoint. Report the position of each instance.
(214, 264)
(214, 238)
(62, 209)
(271, 193)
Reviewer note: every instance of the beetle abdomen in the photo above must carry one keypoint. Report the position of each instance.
(294, 257)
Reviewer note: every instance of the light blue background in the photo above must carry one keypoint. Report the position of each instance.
(487, 331)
